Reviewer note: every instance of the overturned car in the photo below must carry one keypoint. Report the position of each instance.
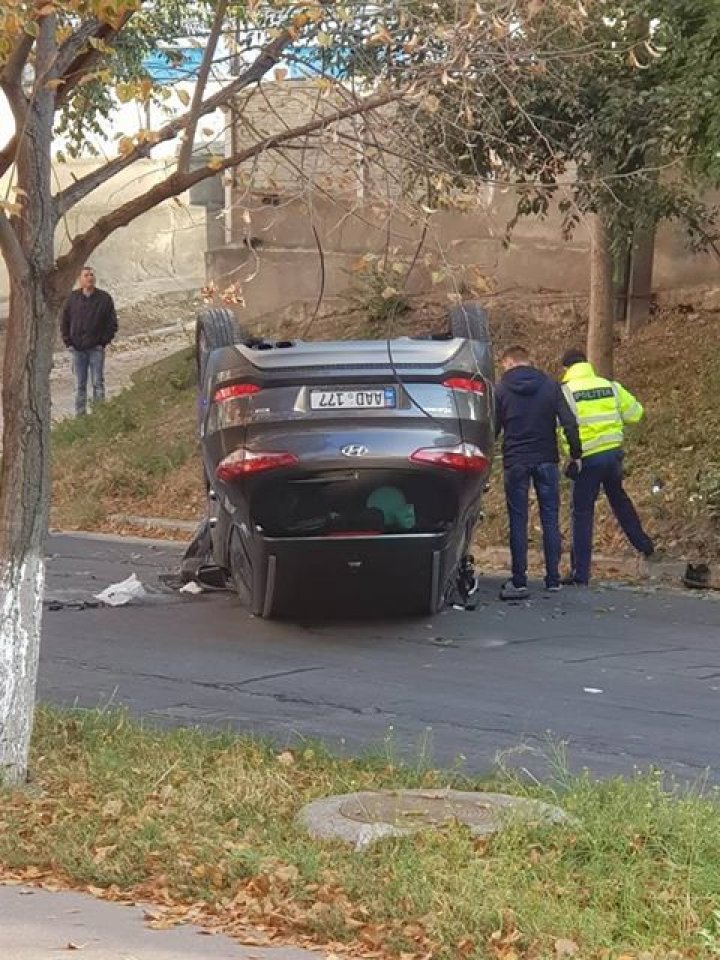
(347, 470)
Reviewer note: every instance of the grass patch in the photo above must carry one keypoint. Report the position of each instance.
(204, 825)
(138, 446)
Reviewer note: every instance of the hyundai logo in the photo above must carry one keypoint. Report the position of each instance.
(354, 450)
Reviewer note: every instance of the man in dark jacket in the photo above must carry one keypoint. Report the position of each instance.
(89, 324)
(529, 406)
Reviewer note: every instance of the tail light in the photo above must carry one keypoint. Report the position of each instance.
(243, 463)
(465, 457)
(466, 385)
(235, 391)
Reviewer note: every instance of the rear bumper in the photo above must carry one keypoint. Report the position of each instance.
(405, 570)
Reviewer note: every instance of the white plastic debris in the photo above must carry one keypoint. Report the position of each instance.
(592, 690)
(119, 594)
(192, 588)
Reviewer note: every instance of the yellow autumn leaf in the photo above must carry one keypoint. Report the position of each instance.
(125, 145)
(184, 97)
(124, 92)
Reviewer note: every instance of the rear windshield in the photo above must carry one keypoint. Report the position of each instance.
(370, 502)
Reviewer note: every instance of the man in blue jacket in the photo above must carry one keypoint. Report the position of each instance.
(529, 407)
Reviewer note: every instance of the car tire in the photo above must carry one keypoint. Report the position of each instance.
(215, 328)
(470, 321)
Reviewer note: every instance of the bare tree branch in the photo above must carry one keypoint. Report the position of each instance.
(178, 182)
(12, 252)
(86, 58)
(71, 68)
(7, 155)
(75, 45)
(200, 87)
(11, 78)
(15, 64)
(269, 56)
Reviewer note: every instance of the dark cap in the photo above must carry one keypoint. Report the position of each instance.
(573, 356)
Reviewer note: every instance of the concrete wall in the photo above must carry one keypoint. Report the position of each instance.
(333, 160)
(286, 264)
(456, 252)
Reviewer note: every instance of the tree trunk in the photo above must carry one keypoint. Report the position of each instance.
(24, 508)
(27, 244)
(601, 325)
(641, 274)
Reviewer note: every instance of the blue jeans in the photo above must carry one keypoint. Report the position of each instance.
(90, 362)
(603, 470)
(545, 477)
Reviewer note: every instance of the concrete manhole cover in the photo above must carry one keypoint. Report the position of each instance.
(361, 818)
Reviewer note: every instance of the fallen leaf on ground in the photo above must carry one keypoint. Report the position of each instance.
(565, 948)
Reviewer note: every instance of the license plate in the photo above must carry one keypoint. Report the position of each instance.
(377, 399)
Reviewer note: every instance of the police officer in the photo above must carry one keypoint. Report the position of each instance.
(602, 408)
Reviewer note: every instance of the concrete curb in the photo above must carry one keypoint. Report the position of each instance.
(119, 538)
(604, 567)
(155, 523)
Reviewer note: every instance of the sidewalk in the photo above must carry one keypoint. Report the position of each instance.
(38, 925)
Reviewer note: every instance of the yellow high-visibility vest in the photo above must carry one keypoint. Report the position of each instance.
(602, 408)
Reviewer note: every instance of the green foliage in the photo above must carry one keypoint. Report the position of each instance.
(611, 107)
(93, 103)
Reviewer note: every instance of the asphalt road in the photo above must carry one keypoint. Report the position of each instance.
(627, 679)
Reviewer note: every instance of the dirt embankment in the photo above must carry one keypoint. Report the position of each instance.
(139, 456)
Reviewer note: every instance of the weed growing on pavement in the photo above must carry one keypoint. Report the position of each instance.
(204, 825)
